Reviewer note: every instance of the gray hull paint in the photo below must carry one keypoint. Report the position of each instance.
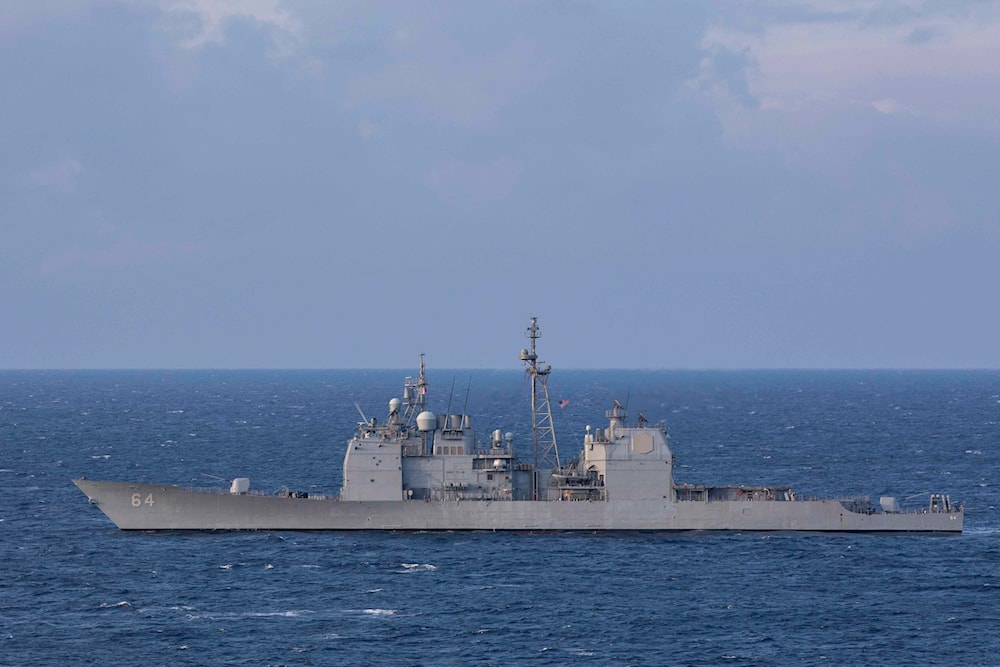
(158, 507)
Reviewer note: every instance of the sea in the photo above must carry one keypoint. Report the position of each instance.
(74, 590)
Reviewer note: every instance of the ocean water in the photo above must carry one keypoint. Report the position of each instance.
(75, 590)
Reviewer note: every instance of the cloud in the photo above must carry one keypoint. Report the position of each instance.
(725, 75)
(474, 182)
(122, 252)
(195, 24)
(60, 175)
(888, 106)
(944, 66)
(187, 29)
(924, 34)
(368, 129)
(192, 24)
(17, 17)
(449, 84)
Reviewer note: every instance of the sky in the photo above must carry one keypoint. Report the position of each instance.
(322, 184)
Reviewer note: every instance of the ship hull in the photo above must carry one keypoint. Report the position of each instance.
(162, 507)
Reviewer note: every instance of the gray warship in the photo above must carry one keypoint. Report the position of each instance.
(417, 470)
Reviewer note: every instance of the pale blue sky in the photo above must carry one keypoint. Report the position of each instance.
(348, 184)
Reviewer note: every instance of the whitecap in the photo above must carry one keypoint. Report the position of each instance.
(414, 567)
(123, 603)
(226, 567)
(378, 612)
(292, 613)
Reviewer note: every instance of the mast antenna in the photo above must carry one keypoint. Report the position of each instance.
(415, 394)
(468, 390)
(543, 434)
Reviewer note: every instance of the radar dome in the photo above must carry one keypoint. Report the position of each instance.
(394, 405)
(426, 421)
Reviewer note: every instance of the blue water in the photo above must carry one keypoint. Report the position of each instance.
(74, 590)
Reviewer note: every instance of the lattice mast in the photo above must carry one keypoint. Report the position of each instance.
(543, 434)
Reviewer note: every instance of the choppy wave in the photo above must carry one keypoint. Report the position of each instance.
(78, 591)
